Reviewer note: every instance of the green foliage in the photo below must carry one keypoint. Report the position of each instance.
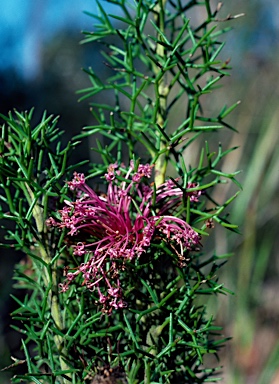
(158, 62)
(32, 166)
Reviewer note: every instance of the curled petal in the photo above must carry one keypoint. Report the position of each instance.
(119, 225)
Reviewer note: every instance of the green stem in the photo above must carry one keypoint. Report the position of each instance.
(162, 92)
(38, 214)
(146, 372)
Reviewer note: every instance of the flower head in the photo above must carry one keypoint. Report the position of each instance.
(119, 226)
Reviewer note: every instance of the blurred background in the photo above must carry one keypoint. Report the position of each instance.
(40, 66)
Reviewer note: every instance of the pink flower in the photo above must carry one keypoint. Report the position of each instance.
(119, 226)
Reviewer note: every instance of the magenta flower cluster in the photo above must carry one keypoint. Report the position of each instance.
(119, 226)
